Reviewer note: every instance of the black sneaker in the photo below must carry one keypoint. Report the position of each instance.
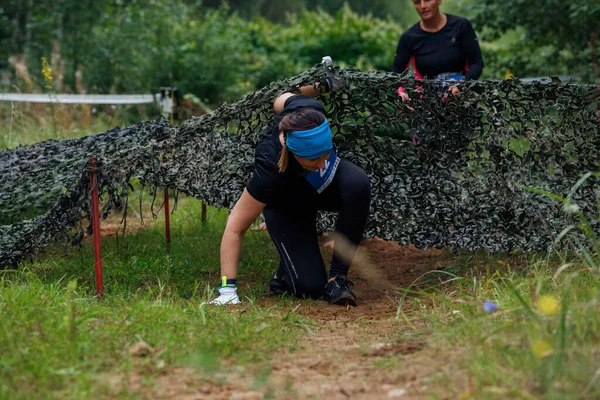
(338, 292)
(277, 285)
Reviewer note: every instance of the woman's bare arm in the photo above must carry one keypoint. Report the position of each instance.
(313, 91)
(244, 213)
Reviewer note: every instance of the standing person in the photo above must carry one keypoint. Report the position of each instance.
(297, 173)
(440, 46)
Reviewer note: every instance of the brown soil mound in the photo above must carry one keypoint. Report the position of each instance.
(379, 270)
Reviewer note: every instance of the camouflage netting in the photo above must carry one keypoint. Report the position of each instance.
(461, 185)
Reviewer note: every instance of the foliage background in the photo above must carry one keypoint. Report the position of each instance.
(221, 50)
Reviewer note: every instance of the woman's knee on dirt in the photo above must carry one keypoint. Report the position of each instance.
(310, 288)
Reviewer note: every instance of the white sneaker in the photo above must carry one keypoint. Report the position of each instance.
(227, 295)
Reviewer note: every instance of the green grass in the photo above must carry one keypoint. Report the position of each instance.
(141, 263)
(29, 123)
(522, 350)
(58, 340)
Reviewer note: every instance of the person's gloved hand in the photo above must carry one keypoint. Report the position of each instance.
(332, 80)
(227, 295)
(333, 83)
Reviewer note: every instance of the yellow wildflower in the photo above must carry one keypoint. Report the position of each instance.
(548, 304)
(47, 72)
(541, 348)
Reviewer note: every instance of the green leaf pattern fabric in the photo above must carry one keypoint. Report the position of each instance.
(445, 170)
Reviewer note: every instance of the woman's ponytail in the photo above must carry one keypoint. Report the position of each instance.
(283, 157)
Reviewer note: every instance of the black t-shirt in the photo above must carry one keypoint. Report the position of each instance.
(267, 184)
(451, 49)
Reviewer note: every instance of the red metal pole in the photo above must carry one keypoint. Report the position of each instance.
(96, 227)
(167, 216)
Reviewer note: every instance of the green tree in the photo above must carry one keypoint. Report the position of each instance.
(279, 10)
(136, 45)
(246, 8)
(570, 26)
(43, 28)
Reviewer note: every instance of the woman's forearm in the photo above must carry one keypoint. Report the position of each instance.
(245, 211)
(313, 91)
(231, 246)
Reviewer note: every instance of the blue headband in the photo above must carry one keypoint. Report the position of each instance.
(311, 144)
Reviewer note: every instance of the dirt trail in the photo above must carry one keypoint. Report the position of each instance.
(364, 352)
(361, 352)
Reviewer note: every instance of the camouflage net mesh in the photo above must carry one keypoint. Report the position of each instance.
(463, 184)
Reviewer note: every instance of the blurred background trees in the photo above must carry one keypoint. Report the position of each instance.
(220, 50)
(560, 33)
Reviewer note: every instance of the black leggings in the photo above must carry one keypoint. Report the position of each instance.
(293, 229)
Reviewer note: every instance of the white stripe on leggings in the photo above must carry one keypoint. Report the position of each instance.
(286, 265)
(288, 257)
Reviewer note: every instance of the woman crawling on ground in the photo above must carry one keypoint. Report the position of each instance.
(297, 173)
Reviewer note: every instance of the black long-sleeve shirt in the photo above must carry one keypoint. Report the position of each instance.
(454, 48)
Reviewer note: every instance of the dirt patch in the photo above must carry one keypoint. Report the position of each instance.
(388, 349)
(364, 352)
(380, 269)
(361, 352)
(334, 363)
(348, 360)
(173, 383)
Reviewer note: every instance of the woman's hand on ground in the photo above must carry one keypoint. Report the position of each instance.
(227, 295)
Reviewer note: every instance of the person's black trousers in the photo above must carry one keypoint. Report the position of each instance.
(293, 230)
